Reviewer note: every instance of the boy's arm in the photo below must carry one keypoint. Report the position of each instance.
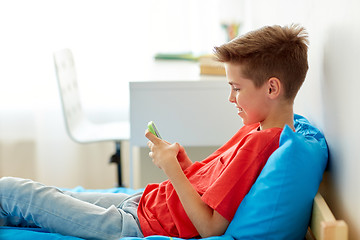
(207, 221)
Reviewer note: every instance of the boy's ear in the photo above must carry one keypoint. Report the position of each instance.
(274, 87)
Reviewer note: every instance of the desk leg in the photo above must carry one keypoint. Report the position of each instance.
(134, 167)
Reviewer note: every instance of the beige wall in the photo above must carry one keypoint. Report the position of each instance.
(85, 165)
(46, 154)
(18, 159)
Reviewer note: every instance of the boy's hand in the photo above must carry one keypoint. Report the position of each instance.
(182, 157)
(163, 154)
(207, 221)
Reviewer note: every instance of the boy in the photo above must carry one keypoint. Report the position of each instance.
(265, 70)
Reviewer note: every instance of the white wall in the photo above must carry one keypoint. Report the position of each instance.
(329, 95)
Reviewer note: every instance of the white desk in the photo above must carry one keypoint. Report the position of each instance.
(193, 113)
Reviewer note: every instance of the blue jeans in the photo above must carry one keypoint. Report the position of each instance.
(25, 203)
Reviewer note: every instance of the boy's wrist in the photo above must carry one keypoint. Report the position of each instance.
(172, 169)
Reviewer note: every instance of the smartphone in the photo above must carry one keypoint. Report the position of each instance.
(152, 128)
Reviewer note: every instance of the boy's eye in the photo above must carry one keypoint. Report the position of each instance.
(234, 88)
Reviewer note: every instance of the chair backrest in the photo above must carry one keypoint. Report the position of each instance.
(68, 87)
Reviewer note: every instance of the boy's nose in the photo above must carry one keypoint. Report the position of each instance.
(231, 98)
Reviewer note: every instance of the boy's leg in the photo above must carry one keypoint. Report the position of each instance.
(128, 203)
(32, 203)
(104, 200)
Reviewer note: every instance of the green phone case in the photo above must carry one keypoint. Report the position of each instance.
(152, 128)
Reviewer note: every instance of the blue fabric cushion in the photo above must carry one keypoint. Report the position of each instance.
(278, 206)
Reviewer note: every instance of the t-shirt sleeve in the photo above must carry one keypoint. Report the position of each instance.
(240, 168)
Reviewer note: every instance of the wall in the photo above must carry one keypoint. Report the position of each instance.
(328, 96)
(35, 146)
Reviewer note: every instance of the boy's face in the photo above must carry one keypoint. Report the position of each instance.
(251, 102)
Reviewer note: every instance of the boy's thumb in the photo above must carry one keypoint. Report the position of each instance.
(177, 146)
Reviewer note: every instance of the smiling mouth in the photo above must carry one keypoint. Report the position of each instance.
(240, 110)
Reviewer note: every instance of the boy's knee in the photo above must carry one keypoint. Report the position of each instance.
(5, 180)
(8, 182)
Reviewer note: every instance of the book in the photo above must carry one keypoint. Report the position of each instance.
(176, 56)
(209, 66)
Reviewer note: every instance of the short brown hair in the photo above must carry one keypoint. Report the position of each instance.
(271, 51)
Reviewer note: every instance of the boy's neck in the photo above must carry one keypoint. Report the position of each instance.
(279, 117)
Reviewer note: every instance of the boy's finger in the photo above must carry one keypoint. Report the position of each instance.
(150, 144)
(151, 137)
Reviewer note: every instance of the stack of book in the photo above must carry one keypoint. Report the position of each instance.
(209, 66)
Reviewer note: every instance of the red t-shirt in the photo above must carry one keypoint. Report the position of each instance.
(222, 180)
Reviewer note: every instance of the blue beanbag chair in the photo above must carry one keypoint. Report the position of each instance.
(278, 206)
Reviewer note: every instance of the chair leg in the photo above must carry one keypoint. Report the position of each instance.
(116, 158)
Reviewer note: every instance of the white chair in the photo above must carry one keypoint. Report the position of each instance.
(78, 126)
